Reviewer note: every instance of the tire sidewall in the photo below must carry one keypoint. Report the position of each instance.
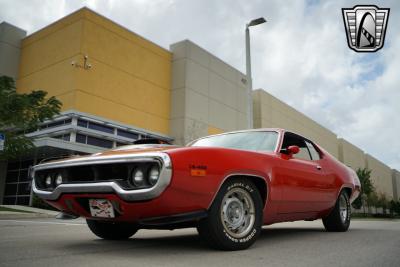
(346, 223)
(224, 236)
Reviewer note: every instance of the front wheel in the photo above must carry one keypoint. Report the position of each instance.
(111, 230)
(235, 218)
(339, 218)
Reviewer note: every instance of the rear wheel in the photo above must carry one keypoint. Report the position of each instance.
(111, 230)
(339, 218)
(235, 217)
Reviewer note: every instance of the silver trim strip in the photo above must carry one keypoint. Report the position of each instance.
(108, 187)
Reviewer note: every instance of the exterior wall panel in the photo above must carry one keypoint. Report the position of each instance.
(270, 112)
(396, 184)
(10, 49)
(351, 155)
(130, 77)
(208, 96)
(381, 176)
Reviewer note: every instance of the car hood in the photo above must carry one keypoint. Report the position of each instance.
(133, 149)
(120, 151)
(145, 149)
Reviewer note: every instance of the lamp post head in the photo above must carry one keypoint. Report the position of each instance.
(255, 22)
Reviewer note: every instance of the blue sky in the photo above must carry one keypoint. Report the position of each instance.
(300, 55)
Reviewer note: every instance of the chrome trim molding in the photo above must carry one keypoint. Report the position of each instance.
(108, 187)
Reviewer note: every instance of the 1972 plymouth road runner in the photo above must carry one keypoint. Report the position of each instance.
(226, 185)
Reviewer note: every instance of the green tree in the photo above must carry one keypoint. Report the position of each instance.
(21, 113)
(395, 205)
(373, 200)
(392, 207)
(367, 187)
(382, 202)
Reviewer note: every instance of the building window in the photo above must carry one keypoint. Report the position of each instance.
(55, 124)
(127, 134)
(18, 186)
(100, 127)
(80, 138)
(95, 126)
(65, 137)
(82, 123)
(94, 141)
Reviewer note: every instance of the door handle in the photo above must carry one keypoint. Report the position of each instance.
(319, 167)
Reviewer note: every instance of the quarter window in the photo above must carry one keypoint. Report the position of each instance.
(314, 153)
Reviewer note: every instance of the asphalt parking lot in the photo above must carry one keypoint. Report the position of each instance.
(49, 242)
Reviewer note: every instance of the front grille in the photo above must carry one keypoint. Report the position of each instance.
(118, 172)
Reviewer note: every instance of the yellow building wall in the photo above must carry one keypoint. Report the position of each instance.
(213, 130)
(46, 57)
(129, 80)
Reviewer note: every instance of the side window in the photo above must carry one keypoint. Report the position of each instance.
(314, 153)
(303, 153)
(295, 140)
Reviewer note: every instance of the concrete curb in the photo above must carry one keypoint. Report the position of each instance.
(25, 212)
(5, 215)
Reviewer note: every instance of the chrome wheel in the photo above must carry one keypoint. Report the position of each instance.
(343, 208)
(237, 212)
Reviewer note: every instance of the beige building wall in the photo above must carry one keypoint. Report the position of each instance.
(351, 155)
(10, 49)
(208, 96)
(396, 184)
(270, 112)
(381, 176)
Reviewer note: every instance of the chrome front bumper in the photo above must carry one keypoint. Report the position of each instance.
(108, 187)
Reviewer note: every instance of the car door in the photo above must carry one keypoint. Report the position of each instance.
(301, 178)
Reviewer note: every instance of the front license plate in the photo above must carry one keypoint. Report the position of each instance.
(101, 208)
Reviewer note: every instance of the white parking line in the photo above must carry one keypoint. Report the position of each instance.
(41, 222)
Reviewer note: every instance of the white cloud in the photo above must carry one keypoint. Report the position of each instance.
(300, 55)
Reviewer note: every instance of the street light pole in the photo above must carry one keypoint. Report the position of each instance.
(248, 71)
(249, 82)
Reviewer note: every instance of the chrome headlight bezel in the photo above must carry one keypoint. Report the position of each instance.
(121, 187)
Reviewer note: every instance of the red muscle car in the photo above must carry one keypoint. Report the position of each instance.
(226, 185)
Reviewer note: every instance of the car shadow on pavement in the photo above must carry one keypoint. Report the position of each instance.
(188, 242)
(139, 245)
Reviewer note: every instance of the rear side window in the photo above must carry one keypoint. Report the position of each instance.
(314, 153)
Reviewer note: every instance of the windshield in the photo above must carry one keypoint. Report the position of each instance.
(254, 141)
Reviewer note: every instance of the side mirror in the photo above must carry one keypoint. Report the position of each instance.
(293, 150)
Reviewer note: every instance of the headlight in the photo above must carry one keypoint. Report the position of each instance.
(137, 178)
(48, 181)
(154, 174)
(59, 179)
